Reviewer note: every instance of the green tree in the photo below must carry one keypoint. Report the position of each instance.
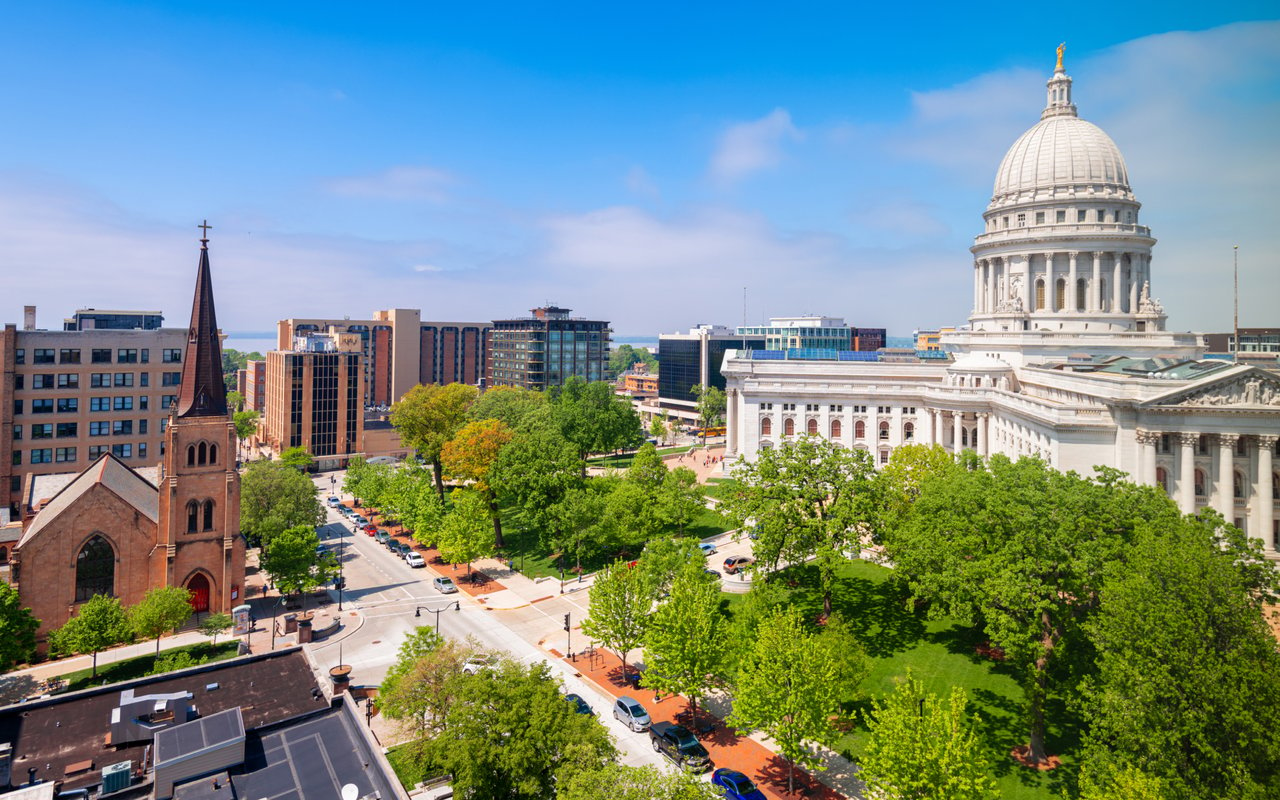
(647, 470)
(234, 360)
(658, 427)
(665, 558)
(508, 734)
(17, 629)
(620, 782)
(594, 418)
(1188, 674)
(684, 643)
(214, 625)
(297, 457)
(900, 480)
(582, 521)
(622, 357)
(466, 533)
(161, 610)
(100, 623)
(792, 682)
(417, 688)
(711, 406)
(535, 471)
(294, 563)
(275, 497)
(430, 415)
(471, 455)
(235, 401)
(246, 423)
(1022, 548)
(620, 602)
(427, 515)
(1128, 783)
(681, 498)
(511, 405)
(632, 513)
(809, 498)
(919, 748)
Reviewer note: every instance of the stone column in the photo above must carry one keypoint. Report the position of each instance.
(1116, 270)
(1226, 476)
(984, 434)
(1187, 472)
(1072, 301)
(1147, 456)
(977, 286)
(1028, 286)
(991, 284)
(1134, 283)
(957, 421)
(1095, 291)
(1050, 284)
(1263, 501)
(732, 416)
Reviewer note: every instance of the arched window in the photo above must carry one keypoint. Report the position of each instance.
(811, 427)
(191, 455)
(884, 431)
(4, 555)
(95, 569)
(202, 453)
(789, 427)
(908, 432)
(1162, 479)
(973, 437)
(193, 516)
(1199, 483)
(208, 515)
(1039, 294)
(836, 429)
(1082, 286)
(859, 430)
(964, 437)
(1237, 486)
(1060, 301)
(213, 454)
(766, 426)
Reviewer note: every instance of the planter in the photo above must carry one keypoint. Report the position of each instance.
(341, 678)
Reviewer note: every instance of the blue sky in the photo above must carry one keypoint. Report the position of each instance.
(642, 164)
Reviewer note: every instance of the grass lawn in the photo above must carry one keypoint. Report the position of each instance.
(409, 773)
(132, 668)
(720, 488)
(624, 461)
(941, 653)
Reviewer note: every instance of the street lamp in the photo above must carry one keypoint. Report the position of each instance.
(342, 550)
(457, 606)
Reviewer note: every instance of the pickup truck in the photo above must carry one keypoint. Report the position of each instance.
(678, 744)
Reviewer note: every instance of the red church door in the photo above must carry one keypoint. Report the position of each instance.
(199, 588)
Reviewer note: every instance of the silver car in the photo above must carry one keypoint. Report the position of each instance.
(632, 714)
(444, 585)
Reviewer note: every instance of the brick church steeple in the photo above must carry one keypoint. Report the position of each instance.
(203, 392)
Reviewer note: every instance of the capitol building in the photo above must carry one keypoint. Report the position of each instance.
(1066, 355)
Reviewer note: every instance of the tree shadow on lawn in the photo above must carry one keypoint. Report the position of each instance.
(1004, 725)
(877, 612)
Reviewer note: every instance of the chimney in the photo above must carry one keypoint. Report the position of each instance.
(28, 318)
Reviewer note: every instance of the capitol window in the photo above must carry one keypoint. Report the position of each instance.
(1102, 215)
(1022, 220)
(1039, 217)
(1006, 222)
(1061, 216)
(1080, 215)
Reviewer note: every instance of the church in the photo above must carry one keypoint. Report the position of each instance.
(117, 531)
(1066, 355)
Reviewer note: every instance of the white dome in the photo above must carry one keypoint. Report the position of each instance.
(978, 362)
(1062, 151)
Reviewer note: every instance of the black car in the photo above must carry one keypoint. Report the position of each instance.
(580, 705)
(678, 744)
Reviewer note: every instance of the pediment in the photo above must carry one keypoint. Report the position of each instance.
(1250, 389)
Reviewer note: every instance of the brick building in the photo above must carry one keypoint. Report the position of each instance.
(115, 530)
(69, 396)
(314, 398)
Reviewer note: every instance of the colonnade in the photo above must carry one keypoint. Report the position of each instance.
(1083, 280)
(977, 423)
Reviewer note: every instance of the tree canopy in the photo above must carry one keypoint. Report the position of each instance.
(100, 623)
(621, 600)
(295, 564)
(711, 406)
(594, 418)
(297, 457)
(17, 629)
(274, 497)
(161, 610)
(684, 643)
(510, 405)
(428, 416)
(620, 782)
(624, 355)
(471, 454)
(466, 532)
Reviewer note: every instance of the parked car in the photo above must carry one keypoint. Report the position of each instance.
(360, 520)
(711, 573)
(678, 744)
(444, 585)
(580, 705)
(333, 502)
(733, 564)
(370, 529)
(477, 663)
(401, 549)
(707, 548)
(736, 785)
(415, 560)
(632, 714)
(381, 537)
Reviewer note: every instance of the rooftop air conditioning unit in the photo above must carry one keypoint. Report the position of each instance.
(116, 778)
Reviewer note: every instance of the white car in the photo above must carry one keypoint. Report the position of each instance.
(477, 663)
(707, 548)
(415, 560)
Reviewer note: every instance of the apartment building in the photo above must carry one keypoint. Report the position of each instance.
(68, 396)
(691, 359)
(252, 383)
(314, 397)
(546, 349)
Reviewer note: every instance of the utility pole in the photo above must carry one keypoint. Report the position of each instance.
(568, 637)
(1235, 268)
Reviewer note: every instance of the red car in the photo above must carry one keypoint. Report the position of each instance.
(370, 529)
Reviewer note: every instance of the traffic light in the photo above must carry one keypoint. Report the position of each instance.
(566, 621)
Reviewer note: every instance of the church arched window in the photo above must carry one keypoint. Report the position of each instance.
(95, 569)
(1040, 294)
(788, 427)
(202, 453)
(766, 426)
(208, 515)
(811, 427)
(836, 429)
(193, 516)
(213, 454)
(191, 455)
(1060, 299)
(859, 430)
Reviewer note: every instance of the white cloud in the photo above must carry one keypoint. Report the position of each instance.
(638, 182)
(427, 268)
(402, 182)
(749, 147)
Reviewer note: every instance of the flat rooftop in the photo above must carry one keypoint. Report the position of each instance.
(71, 730)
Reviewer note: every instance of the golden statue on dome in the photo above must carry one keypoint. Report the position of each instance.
(1062, 48)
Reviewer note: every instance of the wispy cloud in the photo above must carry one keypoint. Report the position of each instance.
(749, 147)
(402, 182)
(638, 182)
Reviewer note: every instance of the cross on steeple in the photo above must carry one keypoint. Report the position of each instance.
(204, 227)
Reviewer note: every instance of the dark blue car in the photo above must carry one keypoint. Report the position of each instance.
(736, 785)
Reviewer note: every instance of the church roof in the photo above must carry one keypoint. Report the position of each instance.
(203, 392)
(109, 472)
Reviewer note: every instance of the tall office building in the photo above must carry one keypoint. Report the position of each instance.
(314, 397)
(68, 396)
(547, 349)
(690, 359)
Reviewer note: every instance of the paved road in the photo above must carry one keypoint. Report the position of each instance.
(387, 591)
